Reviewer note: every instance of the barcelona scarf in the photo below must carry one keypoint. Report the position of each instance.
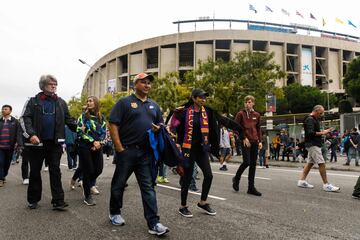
(204, 126)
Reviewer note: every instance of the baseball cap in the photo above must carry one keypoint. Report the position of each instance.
(198, 92)
(142, 75)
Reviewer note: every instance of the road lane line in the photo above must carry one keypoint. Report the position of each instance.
(231, 174)
(191, 192)
(317, 172)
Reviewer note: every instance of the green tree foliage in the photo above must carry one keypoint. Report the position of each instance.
(168, 93)
(352, 79)
(301, 99)
(345, 106)
(76, 105)
(248, 73)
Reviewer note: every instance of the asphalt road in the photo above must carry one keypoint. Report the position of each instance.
(283, 212)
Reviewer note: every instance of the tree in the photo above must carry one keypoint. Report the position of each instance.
(302, 99)
(228, 83)
(76, 105)
(352, 79)
(345, 106)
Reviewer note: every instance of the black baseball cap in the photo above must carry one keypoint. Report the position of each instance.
(198, 92)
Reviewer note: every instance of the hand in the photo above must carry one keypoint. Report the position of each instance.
(247, 142)
(97, 145)
(155, 128)
(35, 140)
(260, 145)
(119, 148)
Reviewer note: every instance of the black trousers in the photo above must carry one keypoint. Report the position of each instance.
(25, 163)
(198, 155)
(249, 160)
(92, 164)
(51, 153)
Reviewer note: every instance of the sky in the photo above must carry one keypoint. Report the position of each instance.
(49, 36)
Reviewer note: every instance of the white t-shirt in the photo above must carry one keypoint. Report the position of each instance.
(224, 138)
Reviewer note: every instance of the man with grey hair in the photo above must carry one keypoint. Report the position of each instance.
(43, 123)
(313, 142)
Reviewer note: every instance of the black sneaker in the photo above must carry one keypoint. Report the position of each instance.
(254, 192)
(60, 206)
(356, 196)
(207, 209)
(89, 201)
(33, 205)
(184, 211)
(235, 184)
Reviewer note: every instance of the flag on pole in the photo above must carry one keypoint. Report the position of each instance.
(252, 8)
(285, 12)
(299, 14)
(338, 20)
(312, 16)
(268, 9)
(351, 24)
(323, 22)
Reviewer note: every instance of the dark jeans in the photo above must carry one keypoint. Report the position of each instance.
(197, 155)
(249, 160)
(333, 155)
(139, 161)
(5, 161)
(51, 152)
(357, 187)
(91, 166)
(71, 152)
(277, 152)
(25, 163)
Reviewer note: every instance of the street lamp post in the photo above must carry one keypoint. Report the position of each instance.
(94, 69)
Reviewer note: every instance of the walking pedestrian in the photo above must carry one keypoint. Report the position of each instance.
(43, 125)
(198, 134)
(313, 143)
(9, 137)
(249, 119)
(130, 119)
(91, 128)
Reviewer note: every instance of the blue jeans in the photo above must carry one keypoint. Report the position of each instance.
(71, 153)
(139, 161)
(5, 160)
(262, 157)
(352, 153)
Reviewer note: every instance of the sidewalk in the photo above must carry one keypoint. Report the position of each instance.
(339, 165)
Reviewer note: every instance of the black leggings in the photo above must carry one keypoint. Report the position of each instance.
(249, 160)
(202, 159)
(91, 163)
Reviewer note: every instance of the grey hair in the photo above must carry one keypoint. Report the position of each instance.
(317, 108)
(45, 79)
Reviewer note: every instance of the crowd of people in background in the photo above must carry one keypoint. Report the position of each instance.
(46, 130)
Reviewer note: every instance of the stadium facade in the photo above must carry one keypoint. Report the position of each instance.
(308, 55)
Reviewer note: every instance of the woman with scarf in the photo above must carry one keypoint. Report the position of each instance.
(198, 135)
(91, 131)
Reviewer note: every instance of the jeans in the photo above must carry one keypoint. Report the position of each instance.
(51, 152)
(163, 169)
(262, 157)
(249, 160)
(5, 161)
(71, 155)
(197, 155)
(352, 153)
(91, 166)
(139, 161)
(193, 179)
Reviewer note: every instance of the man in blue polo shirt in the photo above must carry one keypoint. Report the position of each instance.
(129, 121)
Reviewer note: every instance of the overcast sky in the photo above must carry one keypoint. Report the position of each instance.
(48, 37)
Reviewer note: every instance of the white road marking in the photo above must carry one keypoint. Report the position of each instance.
(232, 174)
(195, 193)
(315, 172)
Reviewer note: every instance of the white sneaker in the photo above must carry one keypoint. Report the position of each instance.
(26, 181)
(328, 187)
(304, 184)
(94, 190)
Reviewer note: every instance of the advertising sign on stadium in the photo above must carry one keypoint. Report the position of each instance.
(306, 67)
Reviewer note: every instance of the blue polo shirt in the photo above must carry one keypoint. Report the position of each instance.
(134, 117)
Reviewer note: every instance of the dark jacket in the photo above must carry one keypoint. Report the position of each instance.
(30, 120)
(214, 130)
(14, 131)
